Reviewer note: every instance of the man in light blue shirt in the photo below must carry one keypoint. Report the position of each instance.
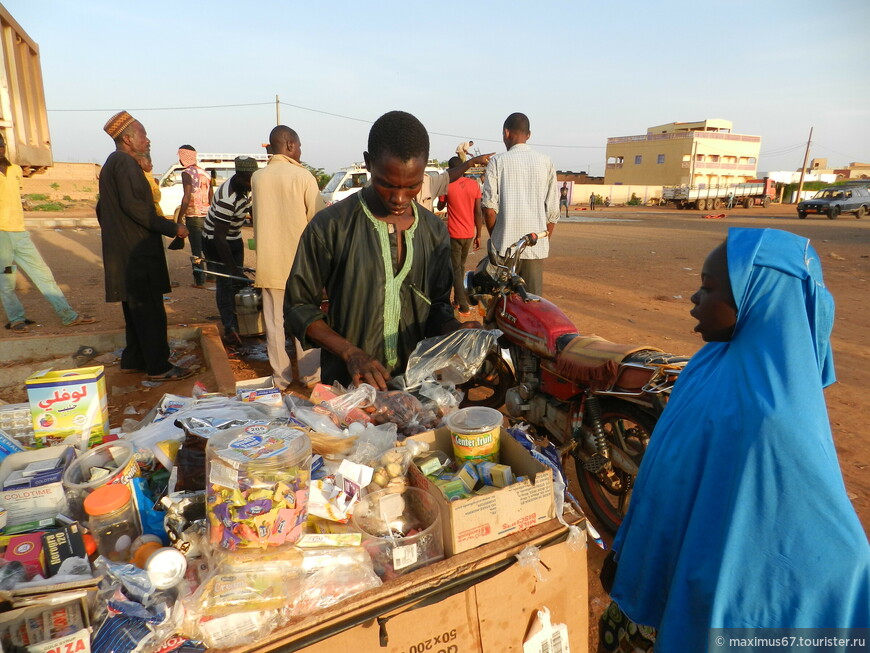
(520, 196)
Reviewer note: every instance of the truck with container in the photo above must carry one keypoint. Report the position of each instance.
(755, 192)
(23, 115)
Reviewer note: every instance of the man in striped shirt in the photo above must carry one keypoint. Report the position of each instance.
(520, 196)
(222, 241)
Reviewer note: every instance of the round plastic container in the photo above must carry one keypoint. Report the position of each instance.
(257, 486)
(475, 433)
(401, 530)
(113, 520)
(113, 462)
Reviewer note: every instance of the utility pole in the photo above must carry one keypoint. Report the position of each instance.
(804, 166)
(277, 110)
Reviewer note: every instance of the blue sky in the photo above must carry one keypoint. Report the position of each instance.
(581, 71)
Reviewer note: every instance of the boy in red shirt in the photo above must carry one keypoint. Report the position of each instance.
(464, 223)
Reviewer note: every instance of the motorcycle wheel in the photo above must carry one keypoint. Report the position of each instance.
(490, 384)
(628, 427)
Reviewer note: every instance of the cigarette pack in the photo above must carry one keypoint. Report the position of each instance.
(61, 544)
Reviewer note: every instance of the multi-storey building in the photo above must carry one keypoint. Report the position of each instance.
(683, 154)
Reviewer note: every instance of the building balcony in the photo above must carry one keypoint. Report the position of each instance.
(683, 136)
(614, 166)
(712, 165)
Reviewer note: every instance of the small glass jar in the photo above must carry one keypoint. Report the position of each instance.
(112, 519)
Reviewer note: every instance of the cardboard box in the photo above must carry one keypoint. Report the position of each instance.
(68, 402)
(31, 504)
(27, 549)
(456, 606)
(261, 390)
(51, 622)
(480, 519)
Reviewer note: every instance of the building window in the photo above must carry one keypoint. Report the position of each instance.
(661, 158)
(638, 160)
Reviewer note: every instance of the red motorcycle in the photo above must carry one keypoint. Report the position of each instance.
(598, 400)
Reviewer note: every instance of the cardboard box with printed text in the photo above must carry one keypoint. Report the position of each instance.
(468, 523)
(68, 402)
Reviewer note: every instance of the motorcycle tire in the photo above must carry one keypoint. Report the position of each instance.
(489, 386)
(623, 422)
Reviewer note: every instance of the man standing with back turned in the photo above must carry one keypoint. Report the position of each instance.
(133, 256)
(520, 197)
(285, 198)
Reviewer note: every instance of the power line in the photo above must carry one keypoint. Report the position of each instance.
(210, 106)
(475, 139)
(848, 156)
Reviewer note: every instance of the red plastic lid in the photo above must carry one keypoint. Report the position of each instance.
(107, 499)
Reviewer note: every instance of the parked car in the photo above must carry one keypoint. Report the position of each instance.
(220, 166)
(350, 180)
(836, 200)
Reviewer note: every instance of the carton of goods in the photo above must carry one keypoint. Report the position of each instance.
(483, 518)
(68, 402)
(48, 623)
(28, 499)
(260, 390)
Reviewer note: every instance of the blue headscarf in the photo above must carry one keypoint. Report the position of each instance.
(739, 518)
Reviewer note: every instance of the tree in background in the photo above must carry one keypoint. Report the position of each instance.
(320, 175)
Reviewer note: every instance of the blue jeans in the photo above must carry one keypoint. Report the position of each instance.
(18, 251)
(194, 225)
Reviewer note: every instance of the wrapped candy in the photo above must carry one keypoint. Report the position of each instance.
(257, 490)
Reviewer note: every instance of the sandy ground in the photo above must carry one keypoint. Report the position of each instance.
(623, 273)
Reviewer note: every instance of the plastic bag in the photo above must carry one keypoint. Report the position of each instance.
(373, 441)
(135, 613)
(329, 584)
(549, 456)
(453, 358)
(445, 399)
(203, 416)
(344, 405)
(236, 629)
(265, 587)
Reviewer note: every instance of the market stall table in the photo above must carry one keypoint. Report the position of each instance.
(481, 600)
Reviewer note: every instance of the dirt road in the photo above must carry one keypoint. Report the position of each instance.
(624, 274)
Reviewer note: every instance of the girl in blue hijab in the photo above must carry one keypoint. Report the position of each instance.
(739, 517)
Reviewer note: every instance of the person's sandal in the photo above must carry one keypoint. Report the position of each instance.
(19, 327)
(174, 374)
(82, 319)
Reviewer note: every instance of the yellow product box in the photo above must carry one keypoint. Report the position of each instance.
(68, 402)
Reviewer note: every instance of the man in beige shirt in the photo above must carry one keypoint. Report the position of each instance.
(285, 198)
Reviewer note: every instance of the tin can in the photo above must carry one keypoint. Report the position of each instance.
(475, 433)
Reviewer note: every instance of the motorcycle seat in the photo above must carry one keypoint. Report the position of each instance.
(593, 360)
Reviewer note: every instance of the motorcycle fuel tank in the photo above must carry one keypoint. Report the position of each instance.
(535, 325)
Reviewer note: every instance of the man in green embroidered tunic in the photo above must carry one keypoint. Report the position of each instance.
(384, 261)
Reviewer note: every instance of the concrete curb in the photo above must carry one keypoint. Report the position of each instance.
(46, 347)
(31, 222)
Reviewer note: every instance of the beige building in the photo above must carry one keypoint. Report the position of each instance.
(854, 170)
(683, 154)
